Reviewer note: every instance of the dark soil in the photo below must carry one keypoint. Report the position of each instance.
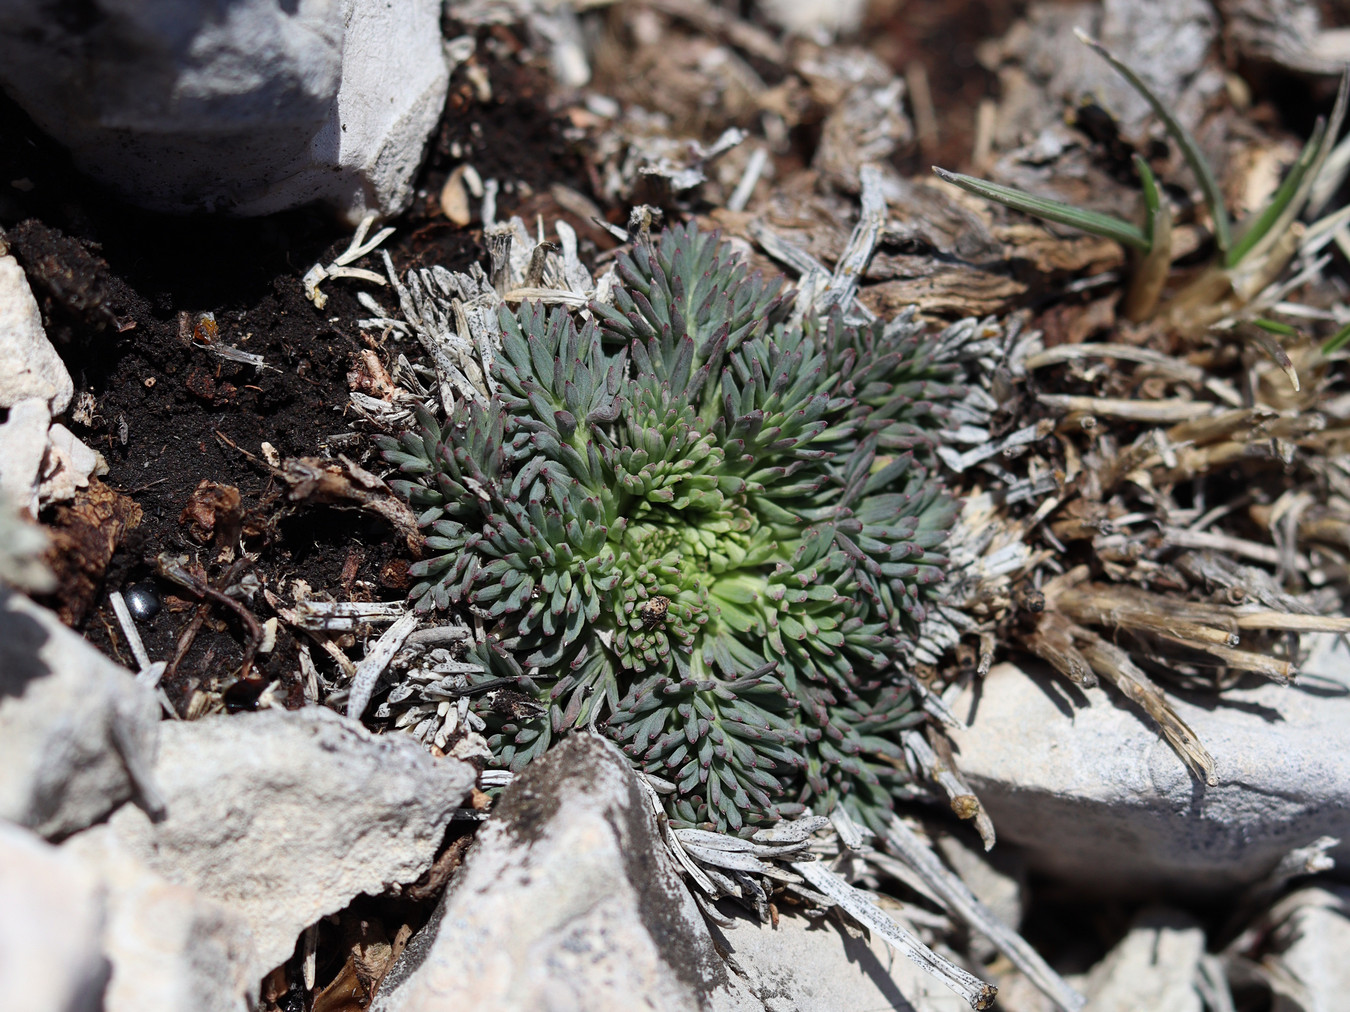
(121, 291)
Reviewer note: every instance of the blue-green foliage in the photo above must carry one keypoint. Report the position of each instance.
(702, 527)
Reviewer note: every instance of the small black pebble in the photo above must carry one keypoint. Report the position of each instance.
(143, 601)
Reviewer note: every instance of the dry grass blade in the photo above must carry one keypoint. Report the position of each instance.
(1159, 412)
(1269, 343)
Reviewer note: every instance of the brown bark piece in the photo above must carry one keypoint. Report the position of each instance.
(84, 536)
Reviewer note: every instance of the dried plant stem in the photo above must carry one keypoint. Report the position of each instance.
(1279, 621)
(1115, 665)
(973, 990)
(1163, 412)
(1052, 642)
(911, 848)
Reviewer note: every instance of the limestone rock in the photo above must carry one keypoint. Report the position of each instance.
(1084, 783)
(1310, 939)
(251, 107)
(284, 817)
(69, 465)
(1153, 967)
(169, 947)
(23, 445)
(565, 902)
(77, 734)
(51, 923)
(801, 967)
(1044, 69)
(29, 365)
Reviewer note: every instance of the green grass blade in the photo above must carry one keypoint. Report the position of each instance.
(1051, 210)
(1294, 207)
(1209, 185)
(1275, 327)
(1256, 229)
(1337, 341)
(1152, 199)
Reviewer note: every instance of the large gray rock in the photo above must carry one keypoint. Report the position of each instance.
(1308, 935)
(1155, 966)
(29, 365)
(51, 923)
(1086, 785)
(248, 107)
(77, 734)
(284, 817)
(170, 948)
(805, 967)
(567, 901)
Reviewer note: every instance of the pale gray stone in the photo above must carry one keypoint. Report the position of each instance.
(170, 948)
(68, 466)
(23, 445)
(1154, 967)
(1085, 784)
(51, 926)
(997, 878)
(285, 816)
(29, 365)
(77, 732)
(1309, 942)
(248, 107)
(567, 901)
(804, 967)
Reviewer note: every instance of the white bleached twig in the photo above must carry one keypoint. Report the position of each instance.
(973, 990)
(907, 845)
(355, 250)
(376, 660)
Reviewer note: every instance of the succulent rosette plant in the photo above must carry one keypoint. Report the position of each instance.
(701, 524)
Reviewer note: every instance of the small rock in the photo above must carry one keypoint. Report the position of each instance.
(77, 734)
(29, 365)
(1085, 784)
(1153, 967)
(566, 901)
(51, 923)
(251, 108)
(23, 445)
(169, 947)
(69, 465)
(805, 17)
(1310, 938)
(285, 816)
(805, 967)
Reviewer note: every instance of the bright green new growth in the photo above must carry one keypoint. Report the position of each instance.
(701, 527)
(1253, 236)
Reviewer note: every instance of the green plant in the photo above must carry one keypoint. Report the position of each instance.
(1257, 248)
(700, 525)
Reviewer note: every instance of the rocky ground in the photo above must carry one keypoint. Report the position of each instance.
(235, 772)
